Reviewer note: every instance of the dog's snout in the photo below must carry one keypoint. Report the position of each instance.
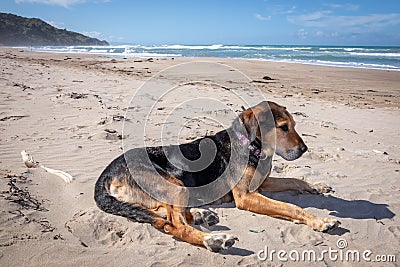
(303, 148)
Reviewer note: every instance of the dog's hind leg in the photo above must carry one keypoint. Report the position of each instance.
(181, 229)
(121, 207)
(116, 194)
(203, 216)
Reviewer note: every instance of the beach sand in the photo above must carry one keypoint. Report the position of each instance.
(67, 111)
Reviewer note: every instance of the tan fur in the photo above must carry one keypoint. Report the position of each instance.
(254, 201)
(179, 217)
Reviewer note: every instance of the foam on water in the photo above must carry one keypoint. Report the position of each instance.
(376, 54)
(387, 58)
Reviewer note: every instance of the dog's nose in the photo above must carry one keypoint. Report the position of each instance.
(303, 148)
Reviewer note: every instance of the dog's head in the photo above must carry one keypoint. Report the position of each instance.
(274, 127)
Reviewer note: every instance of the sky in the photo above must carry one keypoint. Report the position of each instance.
(253, 22)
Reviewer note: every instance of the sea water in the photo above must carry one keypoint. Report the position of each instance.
(370, 57)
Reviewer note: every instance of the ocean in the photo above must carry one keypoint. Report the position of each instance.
(369, 57)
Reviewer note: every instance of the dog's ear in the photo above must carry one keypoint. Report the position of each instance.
(250, 123)
(276, 110)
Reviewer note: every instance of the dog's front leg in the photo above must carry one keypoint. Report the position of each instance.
(258, 203)
(255, 202)
(272, 184)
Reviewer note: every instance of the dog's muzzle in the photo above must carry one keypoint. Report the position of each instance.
(293, 153)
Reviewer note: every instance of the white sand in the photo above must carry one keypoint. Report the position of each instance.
(349, 118)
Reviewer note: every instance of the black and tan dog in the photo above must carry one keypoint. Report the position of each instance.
(116, 191)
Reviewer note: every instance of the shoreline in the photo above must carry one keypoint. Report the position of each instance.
(365, 88)
(147, 52)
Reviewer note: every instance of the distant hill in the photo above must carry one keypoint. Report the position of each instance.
(20, 31)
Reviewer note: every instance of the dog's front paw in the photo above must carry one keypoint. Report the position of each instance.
(203, 216)
(325, 224)
(218, 241)
(321, 188)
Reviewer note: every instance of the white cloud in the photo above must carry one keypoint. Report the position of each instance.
(349, 7)
(281, 9)
(64, 3)
(325, 34)
(94, 34)
(302, 34)
(291, 10)
(261, 17)
(310, 16)
(322, 19)
(112, 38)
(56, 24)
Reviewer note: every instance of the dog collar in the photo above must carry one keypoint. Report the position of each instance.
(257, 152)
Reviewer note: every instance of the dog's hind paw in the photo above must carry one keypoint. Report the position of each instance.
(203, 216)
(218, 241)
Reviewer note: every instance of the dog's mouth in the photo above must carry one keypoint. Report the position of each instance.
(290, 154)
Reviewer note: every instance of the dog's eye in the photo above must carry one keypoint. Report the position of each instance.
(284, 127)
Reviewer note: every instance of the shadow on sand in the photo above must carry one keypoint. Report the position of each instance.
(338, 207)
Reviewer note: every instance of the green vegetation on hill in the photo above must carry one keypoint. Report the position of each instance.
(20, 31)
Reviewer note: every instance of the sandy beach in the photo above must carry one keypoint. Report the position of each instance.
(67, 111)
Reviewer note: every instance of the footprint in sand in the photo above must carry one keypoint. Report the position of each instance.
(395, 230)
(328, 124)
(323, 157)
(294, 235)
(107, 134)
(94, 228)
(283, 168)
(393, 237)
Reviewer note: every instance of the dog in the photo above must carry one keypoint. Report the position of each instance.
(256, 134)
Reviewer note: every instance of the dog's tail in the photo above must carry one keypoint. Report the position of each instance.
(111, 205)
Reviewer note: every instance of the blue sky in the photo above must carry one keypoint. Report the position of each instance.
(149, 22)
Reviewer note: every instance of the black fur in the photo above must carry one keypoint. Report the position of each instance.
(156, 160)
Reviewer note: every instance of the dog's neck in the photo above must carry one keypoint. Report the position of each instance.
(254, 147)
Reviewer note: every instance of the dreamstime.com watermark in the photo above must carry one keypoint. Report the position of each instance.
(339, 254)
